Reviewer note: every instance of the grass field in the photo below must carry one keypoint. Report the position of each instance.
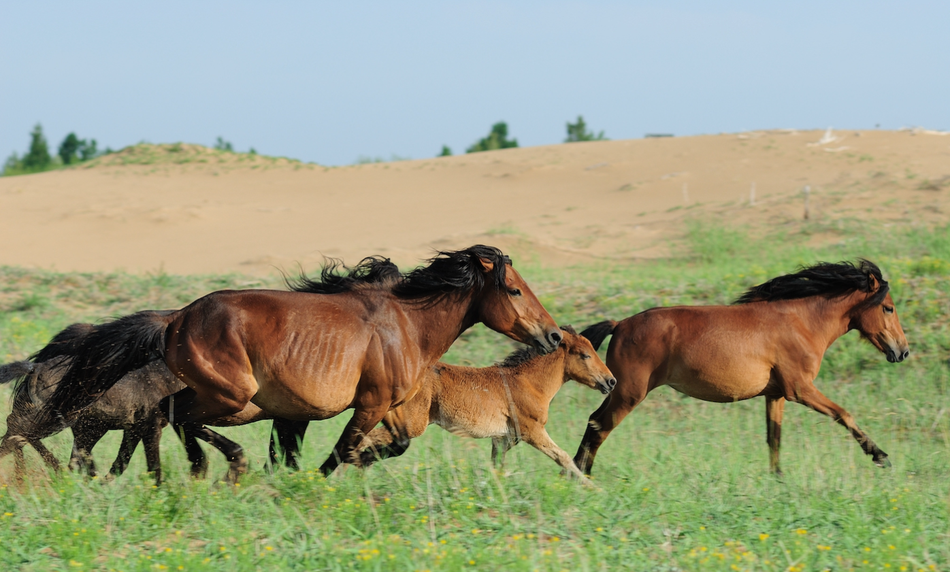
(681, 484)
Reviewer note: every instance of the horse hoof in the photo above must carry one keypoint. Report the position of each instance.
(882, 461)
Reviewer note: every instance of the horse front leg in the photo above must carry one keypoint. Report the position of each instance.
(289, 437)
(357, 428)
(540, 440)
(234, 453)
(816, 400)
(629, 392)
(774, 409)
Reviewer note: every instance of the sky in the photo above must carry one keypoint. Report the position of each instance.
(330, 82)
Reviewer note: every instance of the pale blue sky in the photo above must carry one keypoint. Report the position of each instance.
(328, 82)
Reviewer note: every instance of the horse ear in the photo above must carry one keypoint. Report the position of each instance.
(487, 265)
(873, 284)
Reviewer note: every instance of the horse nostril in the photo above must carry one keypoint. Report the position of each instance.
(904, 355)
(612, 382)
(555, 338)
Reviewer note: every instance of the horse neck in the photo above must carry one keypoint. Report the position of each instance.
(832, 318)
(439, 323)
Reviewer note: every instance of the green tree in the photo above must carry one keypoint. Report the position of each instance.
(497, 139)
(69, 148)
(223, 145)
(578, 132)
(88, 149)
(37, 158)
(446, 152)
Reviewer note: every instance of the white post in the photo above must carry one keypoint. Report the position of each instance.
(752, 195)
(806, 191)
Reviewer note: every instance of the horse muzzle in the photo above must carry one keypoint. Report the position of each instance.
(548, 342)
(607, 385)
(897, 356)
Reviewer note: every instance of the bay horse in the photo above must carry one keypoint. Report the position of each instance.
(770, 342)
(507, 403)
(309, 354)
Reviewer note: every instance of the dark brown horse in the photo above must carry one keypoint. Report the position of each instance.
(507, 403)
(770, 343)
(309, 354)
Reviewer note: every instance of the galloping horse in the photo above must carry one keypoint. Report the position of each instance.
(770, 343)
(308, 355)
(508, 402)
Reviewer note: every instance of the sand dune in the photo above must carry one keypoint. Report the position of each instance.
(562, 203)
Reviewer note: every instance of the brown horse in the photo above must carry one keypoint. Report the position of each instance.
(311, 354)
(770, 343)
(508, 403)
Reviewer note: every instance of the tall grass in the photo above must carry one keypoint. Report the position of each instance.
(681, 484)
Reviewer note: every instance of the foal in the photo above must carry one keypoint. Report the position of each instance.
(769, 343)
(508, 402)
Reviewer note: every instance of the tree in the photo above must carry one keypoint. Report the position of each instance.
(446, 152)
(578, 132)
(497, 139)
(88, 149)
(37, 158)
(223, 145)
(69, 148)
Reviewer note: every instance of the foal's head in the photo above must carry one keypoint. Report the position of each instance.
(876, 318)
(582, 364)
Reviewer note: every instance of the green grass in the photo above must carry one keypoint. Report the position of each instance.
(682, 484)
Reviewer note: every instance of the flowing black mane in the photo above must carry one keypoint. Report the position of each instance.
(453, 271)
(527, 353)
(829, 280)
(336, 278)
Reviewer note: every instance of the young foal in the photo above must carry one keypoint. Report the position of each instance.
(508, 402)
(770, 343)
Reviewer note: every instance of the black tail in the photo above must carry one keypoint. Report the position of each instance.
(15, 370)
(99, 359)
(599, 332)
(64, 344)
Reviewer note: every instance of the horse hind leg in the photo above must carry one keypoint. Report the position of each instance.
(817, 401)
(151, 440)
(85, 437)
(774, 409)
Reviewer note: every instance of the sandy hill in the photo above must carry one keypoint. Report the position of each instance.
(189, 209)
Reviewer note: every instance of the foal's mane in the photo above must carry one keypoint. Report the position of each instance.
(826, 279)
(453, 271)
(524, 355)
(335, 277)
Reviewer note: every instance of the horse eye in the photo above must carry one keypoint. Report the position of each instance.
(585, 356)
(888, 310)
(514, 292)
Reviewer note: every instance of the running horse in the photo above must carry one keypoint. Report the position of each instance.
(770, 342)
(307, 355)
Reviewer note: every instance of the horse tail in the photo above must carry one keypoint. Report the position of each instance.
(15, 370)
(65, 344)
(97, 360)
(599, 332)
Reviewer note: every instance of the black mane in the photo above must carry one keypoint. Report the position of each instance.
(527, 353)
(336, 278)
(829, 280)
(453, 271)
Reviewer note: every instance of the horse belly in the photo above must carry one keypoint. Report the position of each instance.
(472, 424)
(732, 380)
(305, 400)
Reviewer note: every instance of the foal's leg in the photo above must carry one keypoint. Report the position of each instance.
(85, 437)
(289, 436)
(151, 441)
(130, 440)
(197, 458)
(774, 408)
(400, 427)
(813, 398)
(540, 440)
(500, 446)
(51, 461)
(231, 450)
